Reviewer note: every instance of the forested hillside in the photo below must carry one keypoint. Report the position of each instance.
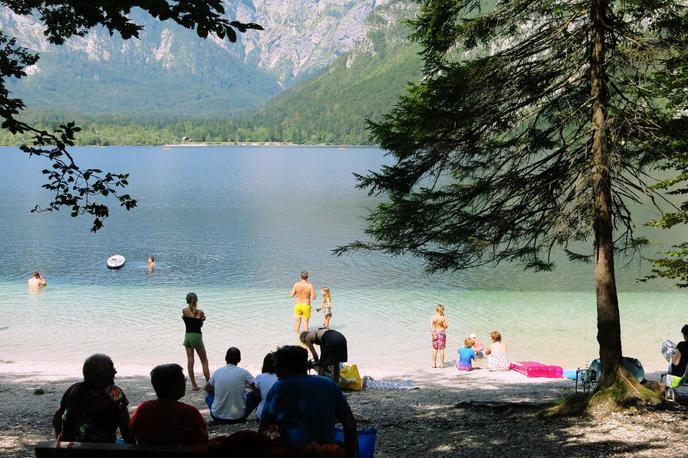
(329, 108)
(333, 107)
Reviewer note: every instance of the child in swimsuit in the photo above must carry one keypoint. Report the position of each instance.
(478, 345)
(326, 307)
(466, 355)
(438, 328)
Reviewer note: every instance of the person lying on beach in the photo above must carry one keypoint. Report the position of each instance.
(304, 408)
(326, 307)
(37, 281)
(193, 339)
(438, 328)
(497, 354)
(333, 349)
(232, 394)
(166, 421)
(92, 410)
(466, 356)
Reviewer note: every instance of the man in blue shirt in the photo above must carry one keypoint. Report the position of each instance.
(306, 407)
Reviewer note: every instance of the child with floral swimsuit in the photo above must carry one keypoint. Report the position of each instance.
(438, 328)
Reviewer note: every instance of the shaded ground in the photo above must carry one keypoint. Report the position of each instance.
(450, 415)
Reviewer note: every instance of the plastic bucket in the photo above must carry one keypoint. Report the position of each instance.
(366, 441)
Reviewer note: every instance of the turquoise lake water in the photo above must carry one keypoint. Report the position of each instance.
(236, 225)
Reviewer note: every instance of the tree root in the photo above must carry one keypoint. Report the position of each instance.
(623, 394)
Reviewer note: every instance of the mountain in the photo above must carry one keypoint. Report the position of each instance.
(366, 83)
(172, 71)
(330, 107)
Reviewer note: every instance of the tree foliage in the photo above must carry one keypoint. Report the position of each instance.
(81, 190)
(673, 83)
(535, 128)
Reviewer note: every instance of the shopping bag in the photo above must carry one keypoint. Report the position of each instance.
(350, 379)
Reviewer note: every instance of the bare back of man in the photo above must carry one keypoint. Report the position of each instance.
(304, 293)
(36, 281)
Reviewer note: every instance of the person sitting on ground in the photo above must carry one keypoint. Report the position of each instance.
(466, 356)
(37, 281)
(232, 394)
(265, 380)
(497, 353)
(304, 408)
(92, 410)
(166, 421)
(332, 347)
(679, 360)
(478, 345)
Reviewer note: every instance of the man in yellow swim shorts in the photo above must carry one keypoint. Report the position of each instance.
(304, 293)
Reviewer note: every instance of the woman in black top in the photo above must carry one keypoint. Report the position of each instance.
(332, 350)
(193, 340)
(679, 360)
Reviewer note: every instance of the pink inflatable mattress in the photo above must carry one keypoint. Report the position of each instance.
(535, 369)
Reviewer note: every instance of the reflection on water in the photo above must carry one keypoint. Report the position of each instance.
(236, 225)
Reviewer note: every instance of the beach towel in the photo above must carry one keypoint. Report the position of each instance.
(371, 384)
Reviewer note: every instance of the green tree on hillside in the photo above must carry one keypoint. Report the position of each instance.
(75, 188)
(534, 128)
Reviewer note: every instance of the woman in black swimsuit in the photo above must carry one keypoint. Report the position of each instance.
(193, 340)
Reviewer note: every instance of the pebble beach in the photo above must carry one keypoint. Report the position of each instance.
(448, 414)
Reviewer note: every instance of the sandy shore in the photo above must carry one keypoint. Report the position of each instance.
(450, 414)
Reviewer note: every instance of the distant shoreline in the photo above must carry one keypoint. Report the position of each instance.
(210, 144)
(290, 145)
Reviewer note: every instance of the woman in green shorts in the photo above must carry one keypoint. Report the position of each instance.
(193, 339)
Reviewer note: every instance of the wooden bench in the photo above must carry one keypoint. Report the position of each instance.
(51, 449)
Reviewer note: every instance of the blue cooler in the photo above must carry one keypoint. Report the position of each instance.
(366, 441)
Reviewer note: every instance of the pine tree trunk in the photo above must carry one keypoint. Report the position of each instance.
(608, 323)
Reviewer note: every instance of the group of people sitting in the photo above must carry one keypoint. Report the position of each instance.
(295, 410)
(497, 353)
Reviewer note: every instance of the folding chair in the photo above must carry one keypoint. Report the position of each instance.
(673, 383)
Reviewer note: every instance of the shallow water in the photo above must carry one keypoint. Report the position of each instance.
(236, 225)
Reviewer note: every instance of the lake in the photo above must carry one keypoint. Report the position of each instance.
(236, 225)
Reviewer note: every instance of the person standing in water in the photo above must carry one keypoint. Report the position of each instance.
(37, 281)
(304, 293)
(326, 306)
(193, 340)
(438, 328)
(151, 263)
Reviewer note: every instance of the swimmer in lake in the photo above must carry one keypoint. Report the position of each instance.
(37, 281)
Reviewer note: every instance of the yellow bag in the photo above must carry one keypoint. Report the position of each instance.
(350, 379)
